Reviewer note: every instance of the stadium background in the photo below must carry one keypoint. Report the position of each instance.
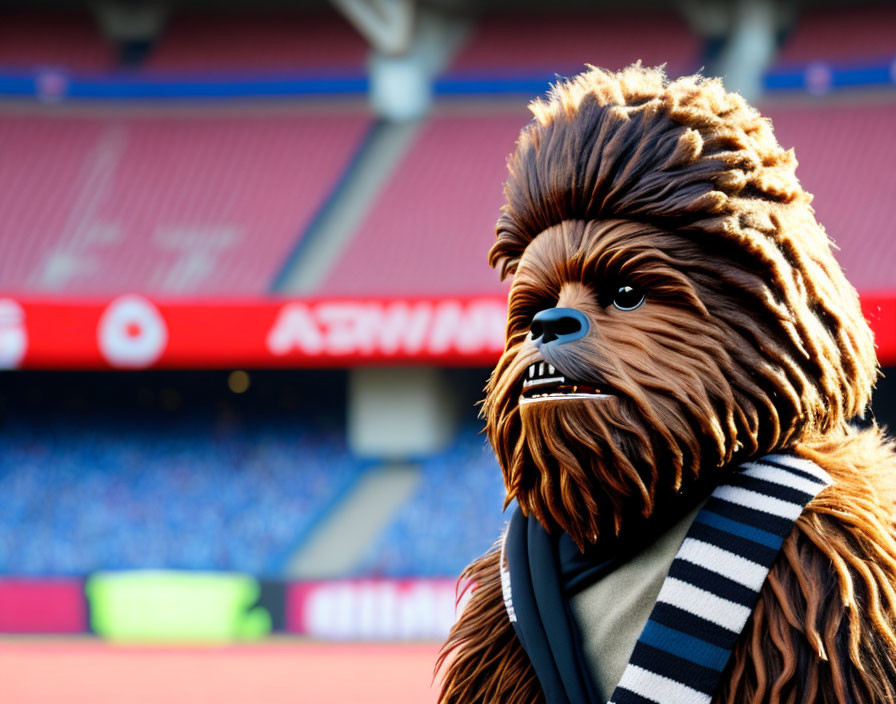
(245, 313)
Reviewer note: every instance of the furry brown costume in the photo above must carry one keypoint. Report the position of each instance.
(750, 340)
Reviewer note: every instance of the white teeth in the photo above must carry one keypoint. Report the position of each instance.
(538, 371)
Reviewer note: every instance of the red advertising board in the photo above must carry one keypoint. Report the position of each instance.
(42, 606)
(880, 311)
(136, 332)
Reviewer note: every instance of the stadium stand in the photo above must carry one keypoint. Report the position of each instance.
(206, 485)
(234, 53)
(563, 44)
(241, 42)
(171, 500)
(82, 499)
(63, 38)
(203, 203)
(846, 152)
(190, 42)
(425, 233)
(454, 515)
(846, 33)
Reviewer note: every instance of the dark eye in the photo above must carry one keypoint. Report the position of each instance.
(628, 298)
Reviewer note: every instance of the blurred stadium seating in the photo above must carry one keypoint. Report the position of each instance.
(66, 37)
(562, 42)
(111, 475)
(848, 33)
(294, 51)
(843, 151)
(455, 514)
(196, 42)
(201, 204)
(424, 233)
(80, 499)
(217, 200)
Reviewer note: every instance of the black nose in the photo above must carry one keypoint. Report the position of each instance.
(560, 324)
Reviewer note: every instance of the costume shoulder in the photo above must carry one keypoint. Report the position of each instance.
(824, 630)
(482, 661)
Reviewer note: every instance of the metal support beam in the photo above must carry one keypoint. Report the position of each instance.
(750, 47)
(387, 24)
(740, 38)
(410, 45)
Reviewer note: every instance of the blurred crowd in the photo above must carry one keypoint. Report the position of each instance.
(453, 517)
(145, 491)
(125, 493)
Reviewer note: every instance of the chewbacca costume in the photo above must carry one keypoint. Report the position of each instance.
(671, 416)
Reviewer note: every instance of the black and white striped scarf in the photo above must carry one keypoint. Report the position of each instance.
(706, 599)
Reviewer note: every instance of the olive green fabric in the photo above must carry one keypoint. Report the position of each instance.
(611, 613)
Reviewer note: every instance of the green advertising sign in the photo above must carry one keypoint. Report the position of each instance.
(176, 606)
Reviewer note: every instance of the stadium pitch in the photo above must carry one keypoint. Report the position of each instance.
(54, 669)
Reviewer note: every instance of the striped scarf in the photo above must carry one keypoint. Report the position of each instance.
(706, 599)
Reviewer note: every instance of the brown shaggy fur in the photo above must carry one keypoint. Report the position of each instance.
(750, 340)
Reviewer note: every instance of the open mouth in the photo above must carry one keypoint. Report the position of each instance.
(543, 382)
